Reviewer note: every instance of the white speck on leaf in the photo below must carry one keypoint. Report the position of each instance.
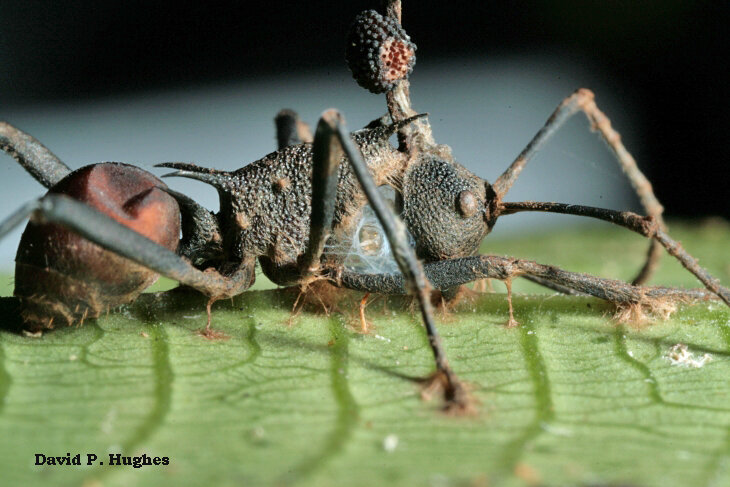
(684, 454)
(258, 433)
(390, 443)
(107, 424)
(556, 430)
(680, 355)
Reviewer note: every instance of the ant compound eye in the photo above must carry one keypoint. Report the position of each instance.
(379, 52)
(468, 205)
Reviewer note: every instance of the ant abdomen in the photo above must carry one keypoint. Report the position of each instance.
(62, 278)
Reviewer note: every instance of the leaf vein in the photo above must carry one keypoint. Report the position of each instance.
(544, 409)
(348, 411)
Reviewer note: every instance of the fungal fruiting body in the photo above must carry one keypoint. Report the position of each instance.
(379, 52)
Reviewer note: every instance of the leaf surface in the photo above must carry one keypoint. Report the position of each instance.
(568, 398)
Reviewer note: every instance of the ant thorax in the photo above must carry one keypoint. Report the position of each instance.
(266, 206)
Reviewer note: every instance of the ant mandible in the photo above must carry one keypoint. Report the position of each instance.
(286, 209)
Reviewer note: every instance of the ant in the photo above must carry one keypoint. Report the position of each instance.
(289, 208)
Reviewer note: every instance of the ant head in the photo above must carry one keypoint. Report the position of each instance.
(446, 208)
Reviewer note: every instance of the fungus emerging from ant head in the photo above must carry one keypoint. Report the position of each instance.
(379, 52)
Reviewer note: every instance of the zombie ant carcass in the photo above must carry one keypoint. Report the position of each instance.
(103, 233)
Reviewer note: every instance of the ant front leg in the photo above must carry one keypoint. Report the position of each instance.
(646, 226)
(40, 162)
(583, 100)
(332, 127)
(446, 274)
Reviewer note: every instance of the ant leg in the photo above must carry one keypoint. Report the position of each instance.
(111, 235)
(405, 256)
(326, 157)
(551, 285)
(363, 320)
(512, 322)
(290, 130)
(615, 291)
(646, 226)
(40, 162)
(583, 100)
(454, 272)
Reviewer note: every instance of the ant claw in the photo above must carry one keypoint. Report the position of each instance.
(457, 400)
(208, 332)
(212, 335)
(512, 323)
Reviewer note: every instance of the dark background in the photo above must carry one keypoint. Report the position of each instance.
(665, 56)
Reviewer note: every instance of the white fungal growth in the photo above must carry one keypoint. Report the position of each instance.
(680, 355)
(369, 250)
(390, 443)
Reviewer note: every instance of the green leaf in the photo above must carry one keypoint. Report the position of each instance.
(568, 398)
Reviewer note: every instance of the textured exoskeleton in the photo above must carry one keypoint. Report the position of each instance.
(296, 208)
